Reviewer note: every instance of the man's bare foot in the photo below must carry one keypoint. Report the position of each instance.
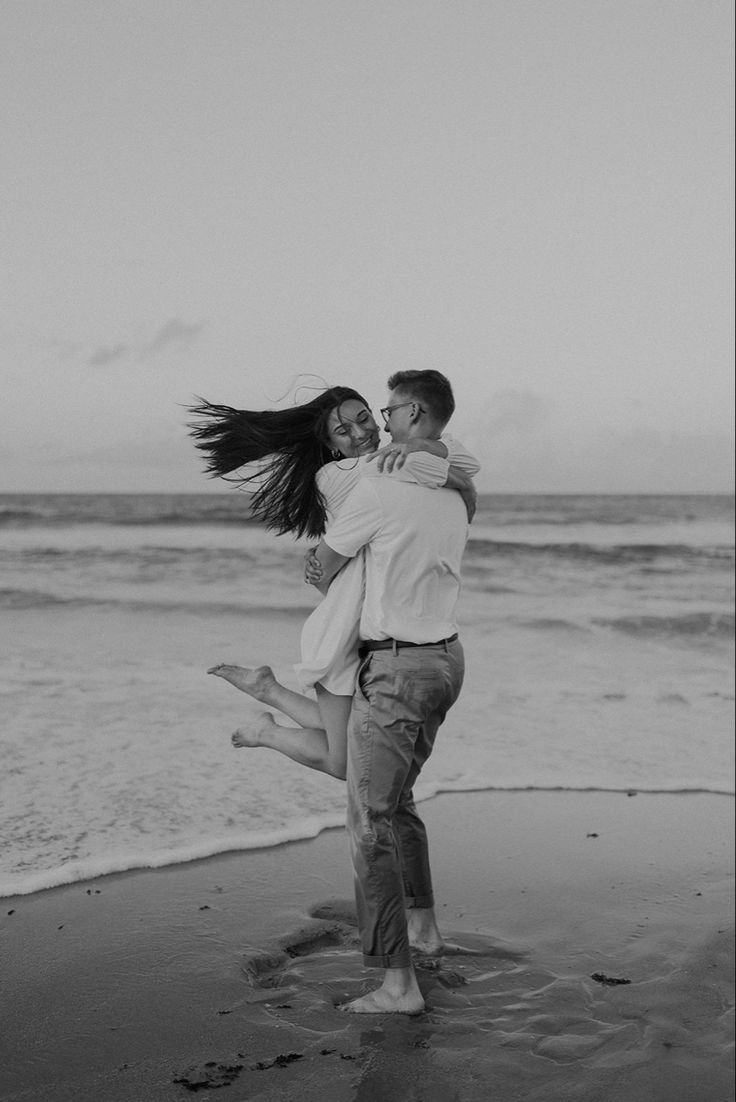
(257, 734)
(258, 683)
(377, 1002)
(424, 934)
(398, 994)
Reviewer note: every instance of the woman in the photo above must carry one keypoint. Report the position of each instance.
(300, 485)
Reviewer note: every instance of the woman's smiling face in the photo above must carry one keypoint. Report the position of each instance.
(351, 429)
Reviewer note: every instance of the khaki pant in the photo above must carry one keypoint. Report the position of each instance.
(400, 701)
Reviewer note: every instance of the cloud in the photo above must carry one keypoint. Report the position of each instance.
(570, 459)
(104, 355)
(651, 459)
(526, 442)
(176, 332)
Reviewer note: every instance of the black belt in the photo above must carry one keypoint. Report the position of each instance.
(367, 645)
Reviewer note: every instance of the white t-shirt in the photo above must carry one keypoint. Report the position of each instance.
(330, 636)
(414, 538)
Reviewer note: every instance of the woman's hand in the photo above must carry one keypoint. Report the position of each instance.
(395, 455)
(312, 567)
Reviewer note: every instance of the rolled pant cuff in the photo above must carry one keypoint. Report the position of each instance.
(419, 902)
(394, 960)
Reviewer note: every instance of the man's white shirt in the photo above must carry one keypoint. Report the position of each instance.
(414, 538)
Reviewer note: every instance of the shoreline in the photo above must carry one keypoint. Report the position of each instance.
(131, 987)
(92, 869)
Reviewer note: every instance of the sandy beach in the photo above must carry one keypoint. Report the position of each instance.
(598, 964)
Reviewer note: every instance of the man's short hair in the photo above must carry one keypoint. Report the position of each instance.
(431, 389)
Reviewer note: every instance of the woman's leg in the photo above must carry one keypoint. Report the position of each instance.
(323, 748)
(335, 712)
(261, 684)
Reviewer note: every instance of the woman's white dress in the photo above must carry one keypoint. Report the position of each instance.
(329, 642)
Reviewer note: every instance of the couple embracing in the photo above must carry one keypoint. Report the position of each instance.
(381, 650)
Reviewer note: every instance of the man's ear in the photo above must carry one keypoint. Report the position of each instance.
(416, 412)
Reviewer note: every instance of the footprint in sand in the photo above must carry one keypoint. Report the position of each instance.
(333, 926)
(264, 967)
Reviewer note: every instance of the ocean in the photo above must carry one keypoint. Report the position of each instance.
(598, 633)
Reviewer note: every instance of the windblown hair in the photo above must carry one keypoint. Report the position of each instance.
(430, 388)
(289, 446)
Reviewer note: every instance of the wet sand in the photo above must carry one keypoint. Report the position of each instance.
(597, 964)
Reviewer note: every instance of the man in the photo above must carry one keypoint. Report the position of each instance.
(411, 673)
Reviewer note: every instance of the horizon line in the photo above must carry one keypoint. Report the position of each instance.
(216, 491)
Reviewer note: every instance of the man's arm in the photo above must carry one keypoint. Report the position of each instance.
(356, 525)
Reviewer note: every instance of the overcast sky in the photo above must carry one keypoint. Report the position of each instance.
(214, 197)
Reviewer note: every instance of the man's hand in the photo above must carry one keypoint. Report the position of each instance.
(321, 564)
(312, 567)
(463, 483)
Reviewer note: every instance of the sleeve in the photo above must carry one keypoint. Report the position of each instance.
(424, 468)
(359, 521)
(459, 457)
(336, 483)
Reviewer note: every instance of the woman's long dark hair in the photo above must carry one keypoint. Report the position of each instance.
(290, 445)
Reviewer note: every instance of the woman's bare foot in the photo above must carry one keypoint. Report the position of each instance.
(258, 683)
(398, 994)
(257, 734)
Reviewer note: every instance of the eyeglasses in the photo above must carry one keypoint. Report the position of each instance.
(388, 410)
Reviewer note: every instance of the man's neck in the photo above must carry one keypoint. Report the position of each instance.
(425, 430)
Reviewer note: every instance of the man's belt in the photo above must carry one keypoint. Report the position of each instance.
(368, 645)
